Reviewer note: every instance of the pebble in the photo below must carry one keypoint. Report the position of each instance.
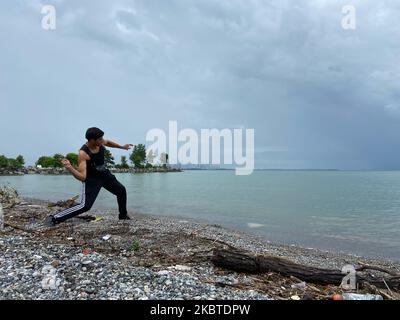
(300, 286)
(90, 290)
(180, 268)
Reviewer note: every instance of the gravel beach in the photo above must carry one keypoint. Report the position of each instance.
(148, 257)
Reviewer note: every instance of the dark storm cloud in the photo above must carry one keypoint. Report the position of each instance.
(317, 95)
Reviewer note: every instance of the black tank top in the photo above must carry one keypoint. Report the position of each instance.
(95, 166)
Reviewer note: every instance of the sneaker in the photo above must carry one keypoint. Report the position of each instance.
(49, 222)
(124, 217)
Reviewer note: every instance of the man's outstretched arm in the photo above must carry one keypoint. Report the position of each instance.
(111, 144)
(79, 173)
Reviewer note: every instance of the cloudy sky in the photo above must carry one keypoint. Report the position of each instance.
(318, 96)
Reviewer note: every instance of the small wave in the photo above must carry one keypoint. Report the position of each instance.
(255, 225)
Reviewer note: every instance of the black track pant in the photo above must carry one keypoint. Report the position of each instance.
(90, 189)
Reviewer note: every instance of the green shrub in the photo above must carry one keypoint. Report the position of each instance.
(135, 246)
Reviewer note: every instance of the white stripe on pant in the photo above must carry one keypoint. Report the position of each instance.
(75, 208)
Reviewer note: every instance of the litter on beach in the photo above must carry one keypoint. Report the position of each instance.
(106, 237)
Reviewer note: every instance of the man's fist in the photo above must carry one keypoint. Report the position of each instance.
(66, 163)
(127, 146)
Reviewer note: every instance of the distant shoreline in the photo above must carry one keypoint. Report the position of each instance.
(62, 171)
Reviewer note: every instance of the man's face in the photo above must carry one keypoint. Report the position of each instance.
(99, 142)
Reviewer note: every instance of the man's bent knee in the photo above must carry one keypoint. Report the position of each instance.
(121, 191)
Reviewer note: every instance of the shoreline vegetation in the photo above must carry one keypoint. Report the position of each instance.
(156, 257)
(62, 171)
(141, 162)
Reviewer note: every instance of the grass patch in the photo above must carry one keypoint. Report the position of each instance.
(135, 246)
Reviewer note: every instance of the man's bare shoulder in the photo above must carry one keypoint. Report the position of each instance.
(83, 155)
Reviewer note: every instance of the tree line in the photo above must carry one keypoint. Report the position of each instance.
(12, 163)
(139, 158)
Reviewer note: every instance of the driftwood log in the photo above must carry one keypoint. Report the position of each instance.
(241, 261)
(64, 203)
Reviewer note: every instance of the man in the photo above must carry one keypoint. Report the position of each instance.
(94, 175)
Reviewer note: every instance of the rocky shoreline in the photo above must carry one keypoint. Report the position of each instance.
(148, 257)
(62, 171)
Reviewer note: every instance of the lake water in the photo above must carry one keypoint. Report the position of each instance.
(351, 211)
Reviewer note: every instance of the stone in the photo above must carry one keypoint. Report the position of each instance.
(179, 267)
(90, 290)
(55, 264)
(146, 289)
(300, 286)
(49, 281)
